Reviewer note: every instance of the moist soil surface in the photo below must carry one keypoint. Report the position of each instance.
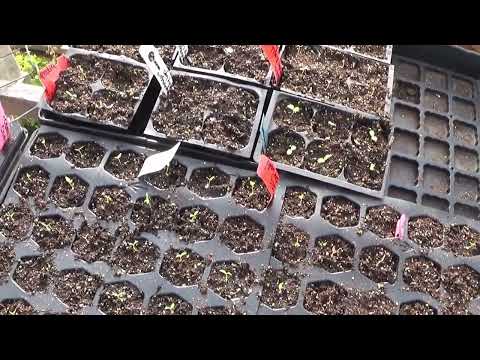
(196, 224)
(121, 298)
(153, 213)
(15, 221)
(33, 273)
(462, 285)
(328, 124)
(377, 51)
(242, 60)
(290, 244)
(93, 243)
(379, 264)
(209, 182)
(417, 308)
(358, 83)
(16, 307)
(76, 288)
(135, 256)
(182, 267)
(333, 253)
(325, 158)
(52, 232)
(49, 146)
(7, 257)
(85, 154)
(33, 182)
(280, 289)
(110, 203)
(251, 193)
(295, 115)
(125, 165)
(340, 212)
(286, 147)
(113, 103)
(168, 305)
(172, 176)
(462, 240)
(231, 280)
(206, 110)
(426, 232)
(423, 275)
(69, 191)
(382, 221)
(299, 202)
(242, 234)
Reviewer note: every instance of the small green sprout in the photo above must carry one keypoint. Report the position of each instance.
(46, 226)
(148, 200)
(43, 141)
(194, 216)
(291, 149)
(323, 160)
(373, 136)
(170, 307)
(281, 286)
(293, 108)
(70, 95)
(226, 273)
(79, 150)
(331, 123)
(29, 177)
(296, 243)
(120, 295)
(134, 246)
(372, 167)
(471, 245)
(181, 255)
(108, 199)
(252, 184)
(70, 182)
(118, 157)
(209, 179)
(10, 215)
(167, 169)
(301, 197)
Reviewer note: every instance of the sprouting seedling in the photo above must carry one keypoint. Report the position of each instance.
(291, 149)
(209, 179)
(194, 216)
(46, 226)
(29, 177)
(108, 198)
(83, 72)
(70, 182)
(331, 123)
(281, 286)
(252, 185)
(148, 200)
(301, 197)
(118, 157)
(181, 255)
(296, 243)
(43, 141)
(10, 215)
(167, 169)
(373, 136)
(170, 307)
(323, 160)
(372, 167)
(134, 246)
(79, 150)
(120, 295)
(226, 273)
(471, 244)
(293, 108)
(70, 95)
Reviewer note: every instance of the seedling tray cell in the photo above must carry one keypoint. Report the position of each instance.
(381, 53)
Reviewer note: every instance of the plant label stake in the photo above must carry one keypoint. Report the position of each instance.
(267, 171)
(4, 128)
(50, 74)
(156, 66)
(157, 162)
(399, 231)
(273, 55)
(182, 51)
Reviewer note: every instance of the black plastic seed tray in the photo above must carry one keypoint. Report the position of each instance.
(317, 227)
(142, 109)
(435, 154)
(270, 127)
(245, 152)
(150, 283)
(386, 58)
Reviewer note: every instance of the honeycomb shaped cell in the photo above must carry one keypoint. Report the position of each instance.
(406, 91)
(436, 79)
(325, 298)
(76, 288)
(406, 143)
(69, 191)
(110, 203)
(172, 176)
(48, 146)
(436, 180)
(154, 213)
(333, 254)
(7, 257)
(53, 232)
(85, 154)
(422, 274)
(182, 267)
(231, 280)
(135, 255)
(379, 264)
(169, 305)
(463, 109)
(295, 115)
(251, 193)
(382, 221)
(426, 231)
(125, 164)
(466, 211)
(436, 126)
(32, 181)
(399, 193)
(466, 188)
(286, 147)
(33, 273)
(406, 117)
(15, 221)
(417, 308)
(197, 223)
(435, 202)
(408, 71)
(121, 298)
(462, 240)
(209, 182)
(280, 289)
(435, 101)
(299, 202)
(290, 244)
(93, 243)
(403, 172)
(462, 87)
(436, 151)
(16, 307)
(242, 234)
(466, 160)
(464, 133)
(340, 211)
(461, 282)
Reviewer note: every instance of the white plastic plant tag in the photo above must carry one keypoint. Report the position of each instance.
(182, 51)
(156, 65)
(157, 162)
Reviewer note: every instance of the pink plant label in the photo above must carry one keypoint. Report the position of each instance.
(273, 55)
(50, 74)
(399, 231)
(267, 171)
(4, 128)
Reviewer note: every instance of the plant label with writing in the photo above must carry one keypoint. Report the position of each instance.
(157, 162)
(50, 74)
(273, 56)
(156, 66)
(182, 51)
(267, 171)
(4, 128)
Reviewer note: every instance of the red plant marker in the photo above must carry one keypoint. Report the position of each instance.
(273, 55)
(399, 231)
(267, 171)
(4, 128)
(49, 76)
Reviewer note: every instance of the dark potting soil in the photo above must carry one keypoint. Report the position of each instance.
(209, 182)
(325, 158)
(121, 298)
(16, 307)
(123, 86)
(110, 203)
(462, 240)
(382, 221)
(340, 212)
(49, 146)
(85, 154)
(377, 51)
(15, 221)
(93, 243)
(426, 232)
(153, 213)
(168, 305)
(52, 232)
(333, 253)
(286, 147)
(461, 282)
(362, 171)
(196, 224)
(76, 288)
(422, 274)
(33, 273)
(135, 256)
(336, 77)
(33, 182)
(231, 280)
(125, 165)
(69, 191)
(417, 308)
(242, 234)
(251, 193)
(173, 175)
(379, 264)
(7, 257)
(294, 115)
(299, 202)
(219, 310)
(279, 289)
(331, 125)
(242, 60)
(182, 267)
(290, 244)
(206, 110)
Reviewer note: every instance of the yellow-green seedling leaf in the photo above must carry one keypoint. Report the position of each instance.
(322, 160)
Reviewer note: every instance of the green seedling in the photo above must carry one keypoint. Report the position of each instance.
(84, 76)
(301, 197)
(296, 243)
(170, 307)
(46, 226)
(323, 160)
(135, 246)
(281, 286)
(108, 199)
(252, 185)
(70, 182)
(372, 167)
(43, 141)
(70, 95)
(79, 150)
(10, 215)
(194, 216)
(472, 244)
(209, 179)
(322, 243)
(291, 149)
(293, 108)
(181, 255)
(167, 169)
(148, 200)
(332, 124)
(118, 157)
(120, 295)
(373, 136)
(29, 177)
(226, 273)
